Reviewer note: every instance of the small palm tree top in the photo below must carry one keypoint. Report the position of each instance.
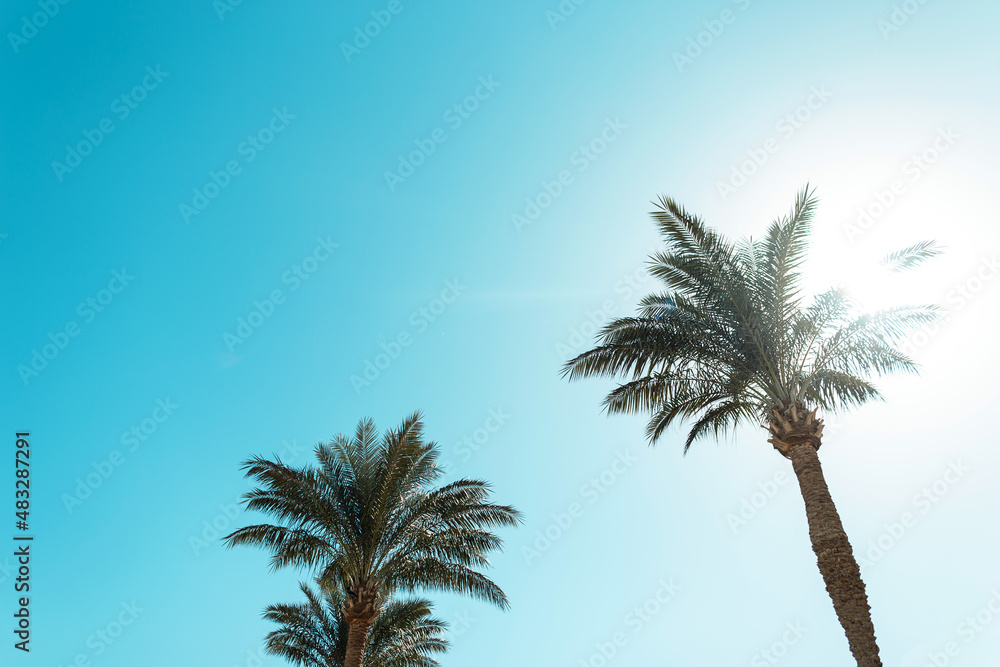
(730, 337)
(367, 517)
(314, 633)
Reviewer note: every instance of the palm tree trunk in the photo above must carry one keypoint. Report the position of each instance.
(836, 559)
(357, 635)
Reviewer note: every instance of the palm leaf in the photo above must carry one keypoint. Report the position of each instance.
(914, 255)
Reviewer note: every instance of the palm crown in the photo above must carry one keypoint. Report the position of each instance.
(368, 519)
(730, 338)
(314, 633)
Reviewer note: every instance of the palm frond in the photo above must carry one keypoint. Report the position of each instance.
(912, 256)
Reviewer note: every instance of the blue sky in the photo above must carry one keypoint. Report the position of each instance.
(451, 206)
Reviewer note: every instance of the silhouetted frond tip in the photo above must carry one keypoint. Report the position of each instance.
(914, 255)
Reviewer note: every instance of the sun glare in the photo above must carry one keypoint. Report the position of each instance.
(874, 287)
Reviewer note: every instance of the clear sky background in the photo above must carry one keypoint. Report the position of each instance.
(880, 98)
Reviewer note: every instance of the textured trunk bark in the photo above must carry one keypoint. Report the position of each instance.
(835, 557)
(357, 635)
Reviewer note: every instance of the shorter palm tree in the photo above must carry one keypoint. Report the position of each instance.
(314, 633)
(369, 521)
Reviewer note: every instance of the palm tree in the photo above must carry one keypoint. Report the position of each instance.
(314, 633)
(368, 520)
(731, 342)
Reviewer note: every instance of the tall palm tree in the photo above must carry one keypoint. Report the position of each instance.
(731, 342)
(315, 633)
(367, 519)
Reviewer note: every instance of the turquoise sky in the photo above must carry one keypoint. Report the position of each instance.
(234, 228)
